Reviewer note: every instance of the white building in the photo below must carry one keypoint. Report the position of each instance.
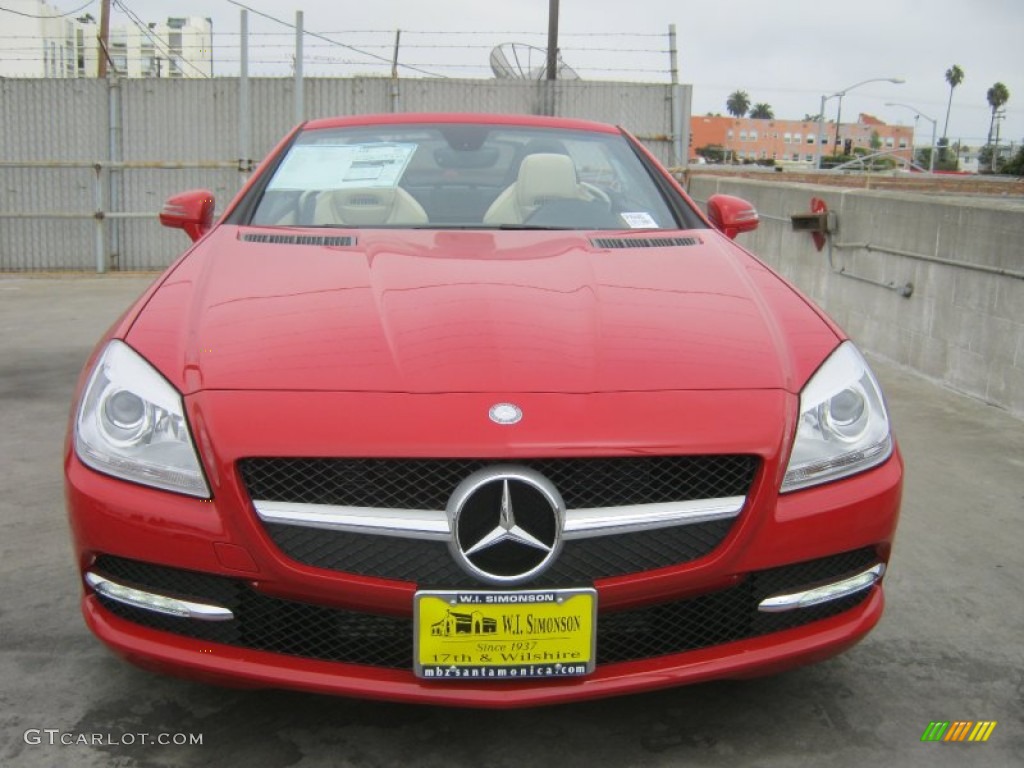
(35, 41)
(178, 47)
(38, 41)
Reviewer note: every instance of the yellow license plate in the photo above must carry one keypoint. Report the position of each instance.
(504, 635)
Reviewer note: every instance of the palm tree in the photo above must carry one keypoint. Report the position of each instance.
(738, 103)
(762, 111)
(997, 95)
(954, 76)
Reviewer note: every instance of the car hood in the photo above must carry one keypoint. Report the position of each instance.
(469, 311)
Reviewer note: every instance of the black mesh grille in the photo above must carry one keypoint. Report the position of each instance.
(299, 629)
(263, 623)
(430, 565)
(428, 483)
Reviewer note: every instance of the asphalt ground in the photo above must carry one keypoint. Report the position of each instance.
(950, 646)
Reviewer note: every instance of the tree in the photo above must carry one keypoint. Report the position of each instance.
(1015, 165)
(997, 96)
(738, 103)
(954, 76)
(762, 111)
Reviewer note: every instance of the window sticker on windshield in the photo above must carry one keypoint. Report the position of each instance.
(343, 166)
(639, 220)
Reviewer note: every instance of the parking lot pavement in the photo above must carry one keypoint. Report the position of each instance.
(950, 647)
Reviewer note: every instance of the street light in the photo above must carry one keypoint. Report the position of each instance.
(931, 160)
(839, 95)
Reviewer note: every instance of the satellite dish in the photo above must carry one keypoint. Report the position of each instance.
(519, 61)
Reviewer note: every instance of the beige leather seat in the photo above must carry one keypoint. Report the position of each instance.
(542, 177)
(368, 206)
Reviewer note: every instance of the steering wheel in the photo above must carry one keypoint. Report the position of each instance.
(598, 193)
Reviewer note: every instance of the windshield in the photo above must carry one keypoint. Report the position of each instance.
(462, 176)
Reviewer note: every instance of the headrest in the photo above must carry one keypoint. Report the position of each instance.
(544, 177)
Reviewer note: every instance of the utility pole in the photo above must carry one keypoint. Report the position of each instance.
(552, 39)
(104, 39)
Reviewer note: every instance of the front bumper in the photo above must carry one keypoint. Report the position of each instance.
(650, 630)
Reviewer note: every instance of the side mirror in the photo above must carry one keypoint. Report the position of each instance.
(191, 211)
(732, 215)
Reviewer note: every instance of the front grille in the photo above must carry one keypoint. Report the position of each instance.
(310, 631)
(429, 483)
(429, 564)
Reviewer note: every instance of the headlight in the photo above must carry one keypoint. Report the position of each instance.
(131, 424)
(843, 427)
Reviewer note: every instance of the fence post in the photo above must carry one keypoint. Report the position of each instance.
(244, 127)
(114, 177)
(675, 96)
(300, 108)
(396, 93)
(99, 218)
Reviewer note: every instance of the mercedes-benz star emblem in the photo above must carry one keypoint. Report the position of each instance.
(505, 413)
(506, 524)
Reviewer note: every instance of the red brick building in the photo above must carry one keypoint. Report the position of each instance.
(794, 142)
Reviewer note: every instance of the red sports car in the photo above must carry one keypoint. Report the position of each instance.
(476, 410)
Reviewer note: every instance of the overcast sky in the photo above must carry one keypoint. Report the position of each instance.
(787, 53)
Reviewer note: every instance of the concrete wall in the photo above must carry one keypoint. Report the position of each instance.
(961, 326)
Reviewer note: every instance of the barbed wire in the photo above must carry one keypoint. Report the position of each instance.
(49, 16)
(157, 43)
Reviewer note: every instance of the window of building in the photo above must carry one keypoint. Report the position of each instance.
(903, 143)
(787, 138)
(809, 158)
(729, 134)
(888, 141)
(810, 139)
(795, 157)
(753, 135)
(797, 138)
(743, 135)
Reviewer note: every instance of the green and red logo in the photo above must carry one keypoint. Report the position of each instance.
(959, 730)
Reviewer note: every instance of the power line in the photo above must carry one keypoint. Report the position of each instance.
(157, 43)
(335, 42)
(52, 16)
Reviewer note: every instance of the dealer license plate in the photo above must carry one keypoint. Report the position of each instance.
(504, 635)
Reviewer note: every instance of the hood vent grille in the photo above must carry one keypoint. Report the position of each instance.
(323, 240)
(643, 242)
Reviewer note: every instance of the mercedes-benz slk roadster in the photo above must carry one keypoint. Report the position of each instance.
(476, 410)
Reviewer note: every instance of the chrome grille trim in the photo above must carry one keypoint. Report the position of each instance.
(406, 523)
(433, 524)
(170, 606)
(610, 521)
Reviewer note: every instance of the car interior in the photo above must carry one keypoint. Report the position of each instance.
(470, 176)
